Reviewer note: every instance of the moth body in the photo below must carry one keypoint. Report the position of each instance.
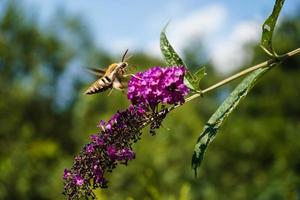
(110, 78)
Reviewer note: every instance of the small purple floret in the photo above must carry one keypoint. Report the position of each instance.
(112, 152)
(127, 154)
(79, 180)
(67, 174)
(90, 148)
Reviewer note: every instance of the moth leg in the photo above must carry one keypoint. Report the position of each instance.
(118, 85)
(126, 75)
(110, 91)
(165, 127)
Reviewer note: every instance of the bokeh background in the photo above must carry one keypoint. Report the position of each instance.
(45, 47)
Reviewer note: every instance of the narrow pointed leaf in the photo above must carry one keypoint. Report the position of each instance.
(172, 58)
(216, 120)
(269, 26)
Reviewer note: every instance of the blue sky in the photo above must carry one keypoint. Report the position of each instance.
(222, 26)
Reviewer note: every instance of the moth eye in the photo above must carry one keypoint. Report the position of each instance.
(124, 65)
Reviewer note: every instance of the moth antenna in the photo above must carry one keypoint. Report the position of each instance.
(123, 58)
(126, 59)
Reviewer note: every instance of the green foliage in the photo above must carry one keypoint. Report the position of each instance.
(256, 154)
(171, 57)
(269, 26)
(239, 93)
(216, 120)
(194, 81)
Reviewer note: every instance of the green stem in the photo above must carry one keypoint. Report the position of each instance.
(268, 63)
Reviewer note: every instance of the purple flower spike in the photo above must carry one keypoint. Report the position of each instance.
(158, 85)
(113, 144)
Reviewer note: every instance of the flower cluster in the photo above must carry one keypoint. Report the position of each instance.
(105, 150)
(113, 145)
(158, 85)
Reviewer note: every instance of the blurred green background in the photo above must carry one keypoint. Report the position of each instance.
(45, 120)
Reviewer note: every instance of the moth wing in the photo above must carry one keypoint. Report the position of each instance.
(97, 71)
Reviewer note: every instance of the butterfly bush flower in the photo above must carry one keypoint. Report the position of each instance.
(158, 85)
(113, 144)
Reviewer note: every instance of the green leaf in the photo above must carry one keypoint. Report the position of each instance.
(200, 73)
(197, 77)
(268, 28)
(188, 83)
(216, 120)
(194, 80)
(172, 58)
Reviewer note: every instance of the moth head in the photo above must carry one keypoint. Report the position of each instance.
(123, 65)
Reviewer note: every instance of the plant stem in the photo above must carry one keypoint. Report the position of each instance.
(268, 63)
